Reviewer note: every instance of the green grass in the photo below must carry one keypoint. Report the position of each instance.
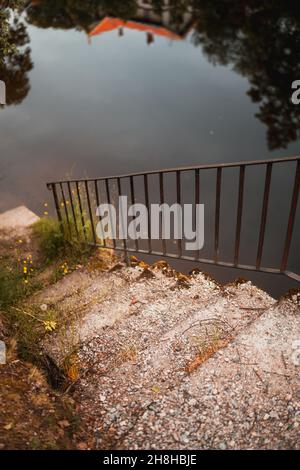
(13, 291)
(12, 286)
(61, 252)
(26, 325)
(56, 244)
(59, 249)
(50, 238)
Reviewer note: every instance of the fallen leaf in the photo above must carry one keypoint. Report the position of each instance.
(205, 355)
(182, 277)
(82, 446)
(7, 427)
(143, 265)
(133, 260)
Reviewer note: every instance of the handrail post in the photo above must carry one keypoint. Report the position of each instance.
(98, 205)
(239, 215)
(197, 199)
(81, 211)
(146, 189)
(122, 223)
(217, 214)
(110, 214)
(291, 221)
(52, 187)
(133, 202)
(162, 201)
(178, 190)
(90, 211)
(65, 207)
(72, 208)
(264, 214)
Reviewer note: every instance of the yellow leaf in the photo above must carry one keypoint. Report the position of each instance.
(143, 265)
(73, 372)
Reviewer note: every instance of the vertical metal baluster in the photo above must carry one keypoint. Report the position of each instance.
(217, 213)
(108, 200)
(239, 215)
(72, 207)
(65, 207)
(98, 204)
(264, 214)
(133, 202)
(81, 211)
(148, 210)
(162, 200)
(90, 211)
(178, 190)
(291, 221)
(121, 218)
(57, 208)
(197, 198)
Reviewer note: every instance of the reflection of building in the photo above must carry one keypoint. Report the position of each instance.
(150, 22)
(147, 14)
(110, 24)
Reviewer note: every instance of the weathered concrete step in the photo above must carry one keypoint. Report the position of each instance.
(15, 224)
(89, 302)
(245, 396)
(19, 218)
(129, 367)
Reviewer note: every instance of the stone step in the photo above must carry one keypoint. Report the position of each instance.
(89, 302)
(16, 223)
(130, 366)
(19, 218)
(244, 397)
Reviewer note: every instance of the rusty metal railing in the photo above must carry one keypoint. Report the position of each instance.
(75, 200)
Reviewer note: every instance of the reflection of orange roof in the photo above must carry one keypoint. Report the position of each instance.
(110, 24)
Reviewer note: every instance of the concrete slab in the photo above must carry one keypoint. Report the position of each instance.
(20, 217)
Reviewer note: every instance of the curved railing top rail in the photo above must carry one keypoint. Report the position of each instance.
(208, 166)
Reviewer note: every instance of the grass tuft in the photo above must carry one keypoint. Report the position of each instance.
(52, 243)
(12, 285)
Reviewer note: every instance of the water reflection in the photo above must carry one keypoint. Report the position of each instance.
(261, 41)
(15, 57)
(121, 86)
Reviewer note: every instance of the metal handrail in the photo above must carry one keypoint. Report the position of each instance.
(208, 166)
(60, 187)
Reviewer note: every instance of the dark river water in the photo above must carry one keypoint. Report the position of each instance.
(99, 88)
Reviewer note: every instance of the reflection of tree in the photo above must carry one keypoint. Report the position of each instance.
(261, 39)
(258, 37)
(67, 14)
(15, 62)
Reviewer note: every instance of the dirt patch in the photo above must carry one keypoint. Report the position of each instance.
(32, 415)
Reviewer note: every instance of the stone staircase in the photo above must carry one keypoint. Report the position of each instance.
(161, 360)
(173, 361)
